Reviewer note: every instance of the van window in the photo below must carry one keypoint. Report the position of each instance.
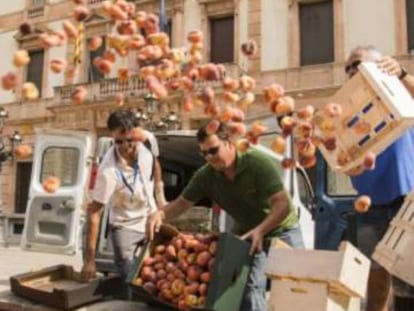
(305, 192)
(339, 184)
(61, 162)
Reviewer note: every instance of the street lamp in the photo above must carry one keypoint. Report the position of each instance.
(3, 117)
(14, 139)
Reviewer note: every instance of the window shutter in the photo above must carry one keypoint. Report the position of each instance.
(35, 68)
(222, 40)
(316, 33)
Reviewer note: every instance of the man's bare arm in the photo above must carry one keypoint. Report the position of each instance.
(94, 211)
(169, 211)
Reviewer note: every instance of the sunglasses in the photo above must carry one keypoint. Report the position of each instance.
(210, 151)
(353, 65)
(120, 141)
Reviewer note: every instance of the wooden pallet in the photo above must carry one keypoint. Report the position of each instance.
(372, 97)
(346, 271)
(395, 251)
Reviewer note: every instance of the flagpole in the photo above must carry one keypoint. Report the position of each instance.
(163, 19)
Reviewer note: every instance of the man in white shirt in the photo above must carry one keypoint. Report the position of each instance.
(125, 185)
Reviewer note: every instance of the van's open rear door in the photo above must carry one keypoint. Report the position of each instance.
(52, 221)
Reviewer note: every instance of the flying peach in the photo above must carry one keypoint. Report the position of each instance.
(249, 48)
(242, 145)
(195, 36)
(285, 105)
(212, 127)
(79, 95)
(94, 43)
(70, 29)
(80, 13)
(305, 113)
(23, 151)
(50, 184)
(369, 161)
(57, 65)
(21, 58)
(9, 80)
(333, 110)
(307, 161)
(247, 83)
(362, 204)
(273, 92)
(30, 91)
(278, 144)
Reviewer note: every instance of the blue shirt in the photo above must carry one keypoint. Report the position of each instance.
(393, 175)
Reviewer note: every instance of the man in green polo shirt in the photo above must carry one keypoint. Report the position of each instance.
(249, 188)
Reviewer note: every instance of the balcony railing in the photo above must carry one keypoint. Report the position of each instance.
(134, 87)
(36, 11)
(93, 2)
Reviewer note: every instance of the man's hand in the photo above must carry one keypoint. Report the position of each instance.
(255, 236)
(88, 270)
(154, 223)
(390, 66)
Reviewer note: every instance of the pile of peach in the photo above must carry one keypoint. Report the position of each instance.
(179, 271)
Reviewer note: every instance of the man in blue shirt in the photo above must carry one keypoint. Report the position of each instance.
(386, 185)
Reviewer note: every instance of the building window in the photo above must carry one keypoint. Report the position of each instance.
(94, 75)
(410, 24)
(169, 31)
(38, 2)
(23, 172)
(35, 68)
(316, 33)
(222, 40)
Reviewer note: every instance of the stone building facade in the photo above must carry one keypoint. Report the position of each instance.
(302, 45)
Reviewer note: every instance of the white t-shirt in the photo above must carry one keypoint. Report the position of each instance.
(129, 205)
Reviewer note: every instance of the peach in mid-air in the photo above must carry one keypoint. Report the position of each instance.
(362, 204)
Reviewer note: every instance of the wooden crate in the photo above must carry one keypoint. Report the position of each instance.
(62, 288)
(395, 251)
(372, 97)
(346, 270)
(290, 295)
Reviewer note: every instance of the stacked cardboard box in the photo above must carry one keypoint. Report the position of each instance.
(317, 280)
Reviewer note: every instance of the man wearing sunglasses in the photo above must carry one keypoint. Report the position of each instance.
(125, 185)
(387, 184)
(249, 188)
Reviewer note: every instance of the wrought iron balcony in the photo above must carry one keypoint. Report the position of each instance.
(134, 87)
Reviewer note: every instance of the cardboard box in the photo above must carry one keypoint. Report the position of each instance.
(346, 270)
(289, 295)
(228, 277)
(374, 99)
(396, 249)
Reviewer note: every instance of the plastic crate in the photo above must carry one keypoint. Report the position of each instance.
(345, 270)
(376, 99)
(289, 295)
(395, 251)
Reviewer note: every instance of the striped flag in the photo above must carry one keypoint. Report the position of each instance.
(77, 54)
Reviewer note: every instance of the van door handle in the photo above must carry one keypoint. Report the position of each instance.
(46, 206)
(69, 204)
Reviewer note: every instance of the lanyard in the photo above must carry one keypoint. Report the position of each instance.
(123, 178)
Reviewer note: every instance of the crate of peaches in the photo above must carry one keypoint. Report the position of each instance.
(192, 271)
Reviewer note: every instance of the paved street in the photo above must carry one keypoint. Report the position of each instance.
(15, 261)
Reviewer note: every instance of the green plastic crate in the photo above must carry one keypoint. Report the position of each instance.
(228, 278)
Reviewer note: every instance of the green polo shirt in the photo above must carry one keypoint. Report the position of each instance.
(246, 197)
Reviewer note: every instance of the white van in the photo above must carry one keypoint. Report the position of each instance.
(54, 221)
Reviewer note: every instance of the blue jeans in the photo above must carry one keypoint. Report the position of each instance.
(254, 295)
(372, 226)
